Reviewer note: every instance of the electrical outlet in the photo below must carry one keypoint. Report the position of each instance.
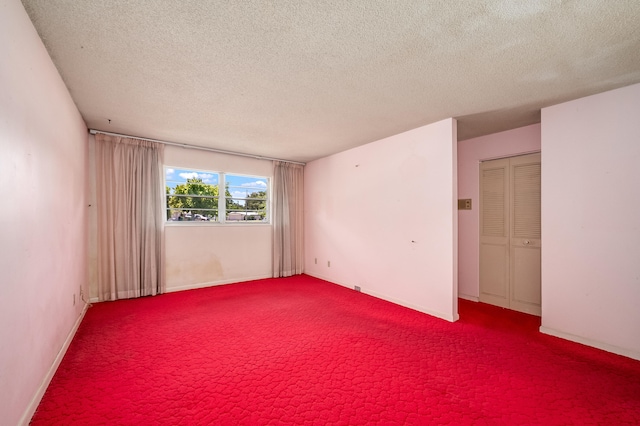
(356, 288)
(328, 264)
(316, 260)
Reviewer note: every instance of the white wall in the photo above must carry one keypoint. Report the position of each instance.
(43, 233)
(200, 255)
(470, 153)
(591, 220)
(384, 216)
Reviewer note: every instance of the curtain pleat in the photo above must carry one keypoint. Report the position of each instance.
(288, 225)
(130, 200)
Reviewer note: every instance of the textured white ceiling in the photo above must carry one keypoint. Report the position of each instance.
(304, 79)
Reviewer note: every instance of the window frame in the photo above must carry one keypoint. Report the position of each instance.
(222, 200)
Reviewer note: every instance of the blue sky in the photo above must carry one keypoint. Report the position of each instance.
(239, 186)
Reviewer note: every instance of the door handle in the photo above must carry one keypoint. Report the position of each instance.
(526, 242)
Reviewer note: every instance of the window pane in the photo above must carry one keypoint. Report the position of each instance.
(246, 198)
(191, 195)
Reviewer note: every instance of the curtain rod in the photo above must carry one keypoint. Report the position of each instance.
(201, 148)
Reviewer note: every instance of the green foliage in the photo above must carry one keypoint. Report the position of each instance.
(257, 202)
(193, 196)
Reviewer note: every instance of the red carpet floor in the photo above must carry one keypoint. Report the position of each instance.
(303, 351)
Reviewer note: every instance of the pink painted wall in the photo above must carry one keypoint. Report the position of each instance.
(202, 255)
(384, 216)
(43, 232)
(591, 220)
(470, 153)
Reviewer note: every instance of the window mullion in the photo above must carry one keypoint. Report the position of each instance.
(222, 199)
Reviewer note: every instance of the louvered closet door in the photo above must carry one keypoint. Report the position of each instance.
(525, 234)
(494, 232)
(510, 233)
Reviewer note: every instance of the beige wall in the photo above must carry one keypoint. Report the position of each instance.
(384, 216)
(43, 230)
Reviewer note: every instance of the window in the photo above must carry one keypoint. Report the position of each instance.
(194, 196)
(246, 198)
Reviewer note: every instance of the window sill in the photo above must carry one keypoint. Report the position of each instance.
(187, 224)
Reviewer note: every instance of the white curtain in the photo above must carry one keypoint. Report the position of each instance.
(288, 226)
(130, 203)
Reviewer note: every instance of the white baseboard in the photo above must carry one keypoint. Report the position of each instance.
(467, 297)
(35, 401)
(440, 315)
(202, 285)
(214, 283)
(393, 300)
(593, 343)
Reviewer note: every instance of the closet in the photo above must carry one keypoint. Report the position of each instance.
(510, 233)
